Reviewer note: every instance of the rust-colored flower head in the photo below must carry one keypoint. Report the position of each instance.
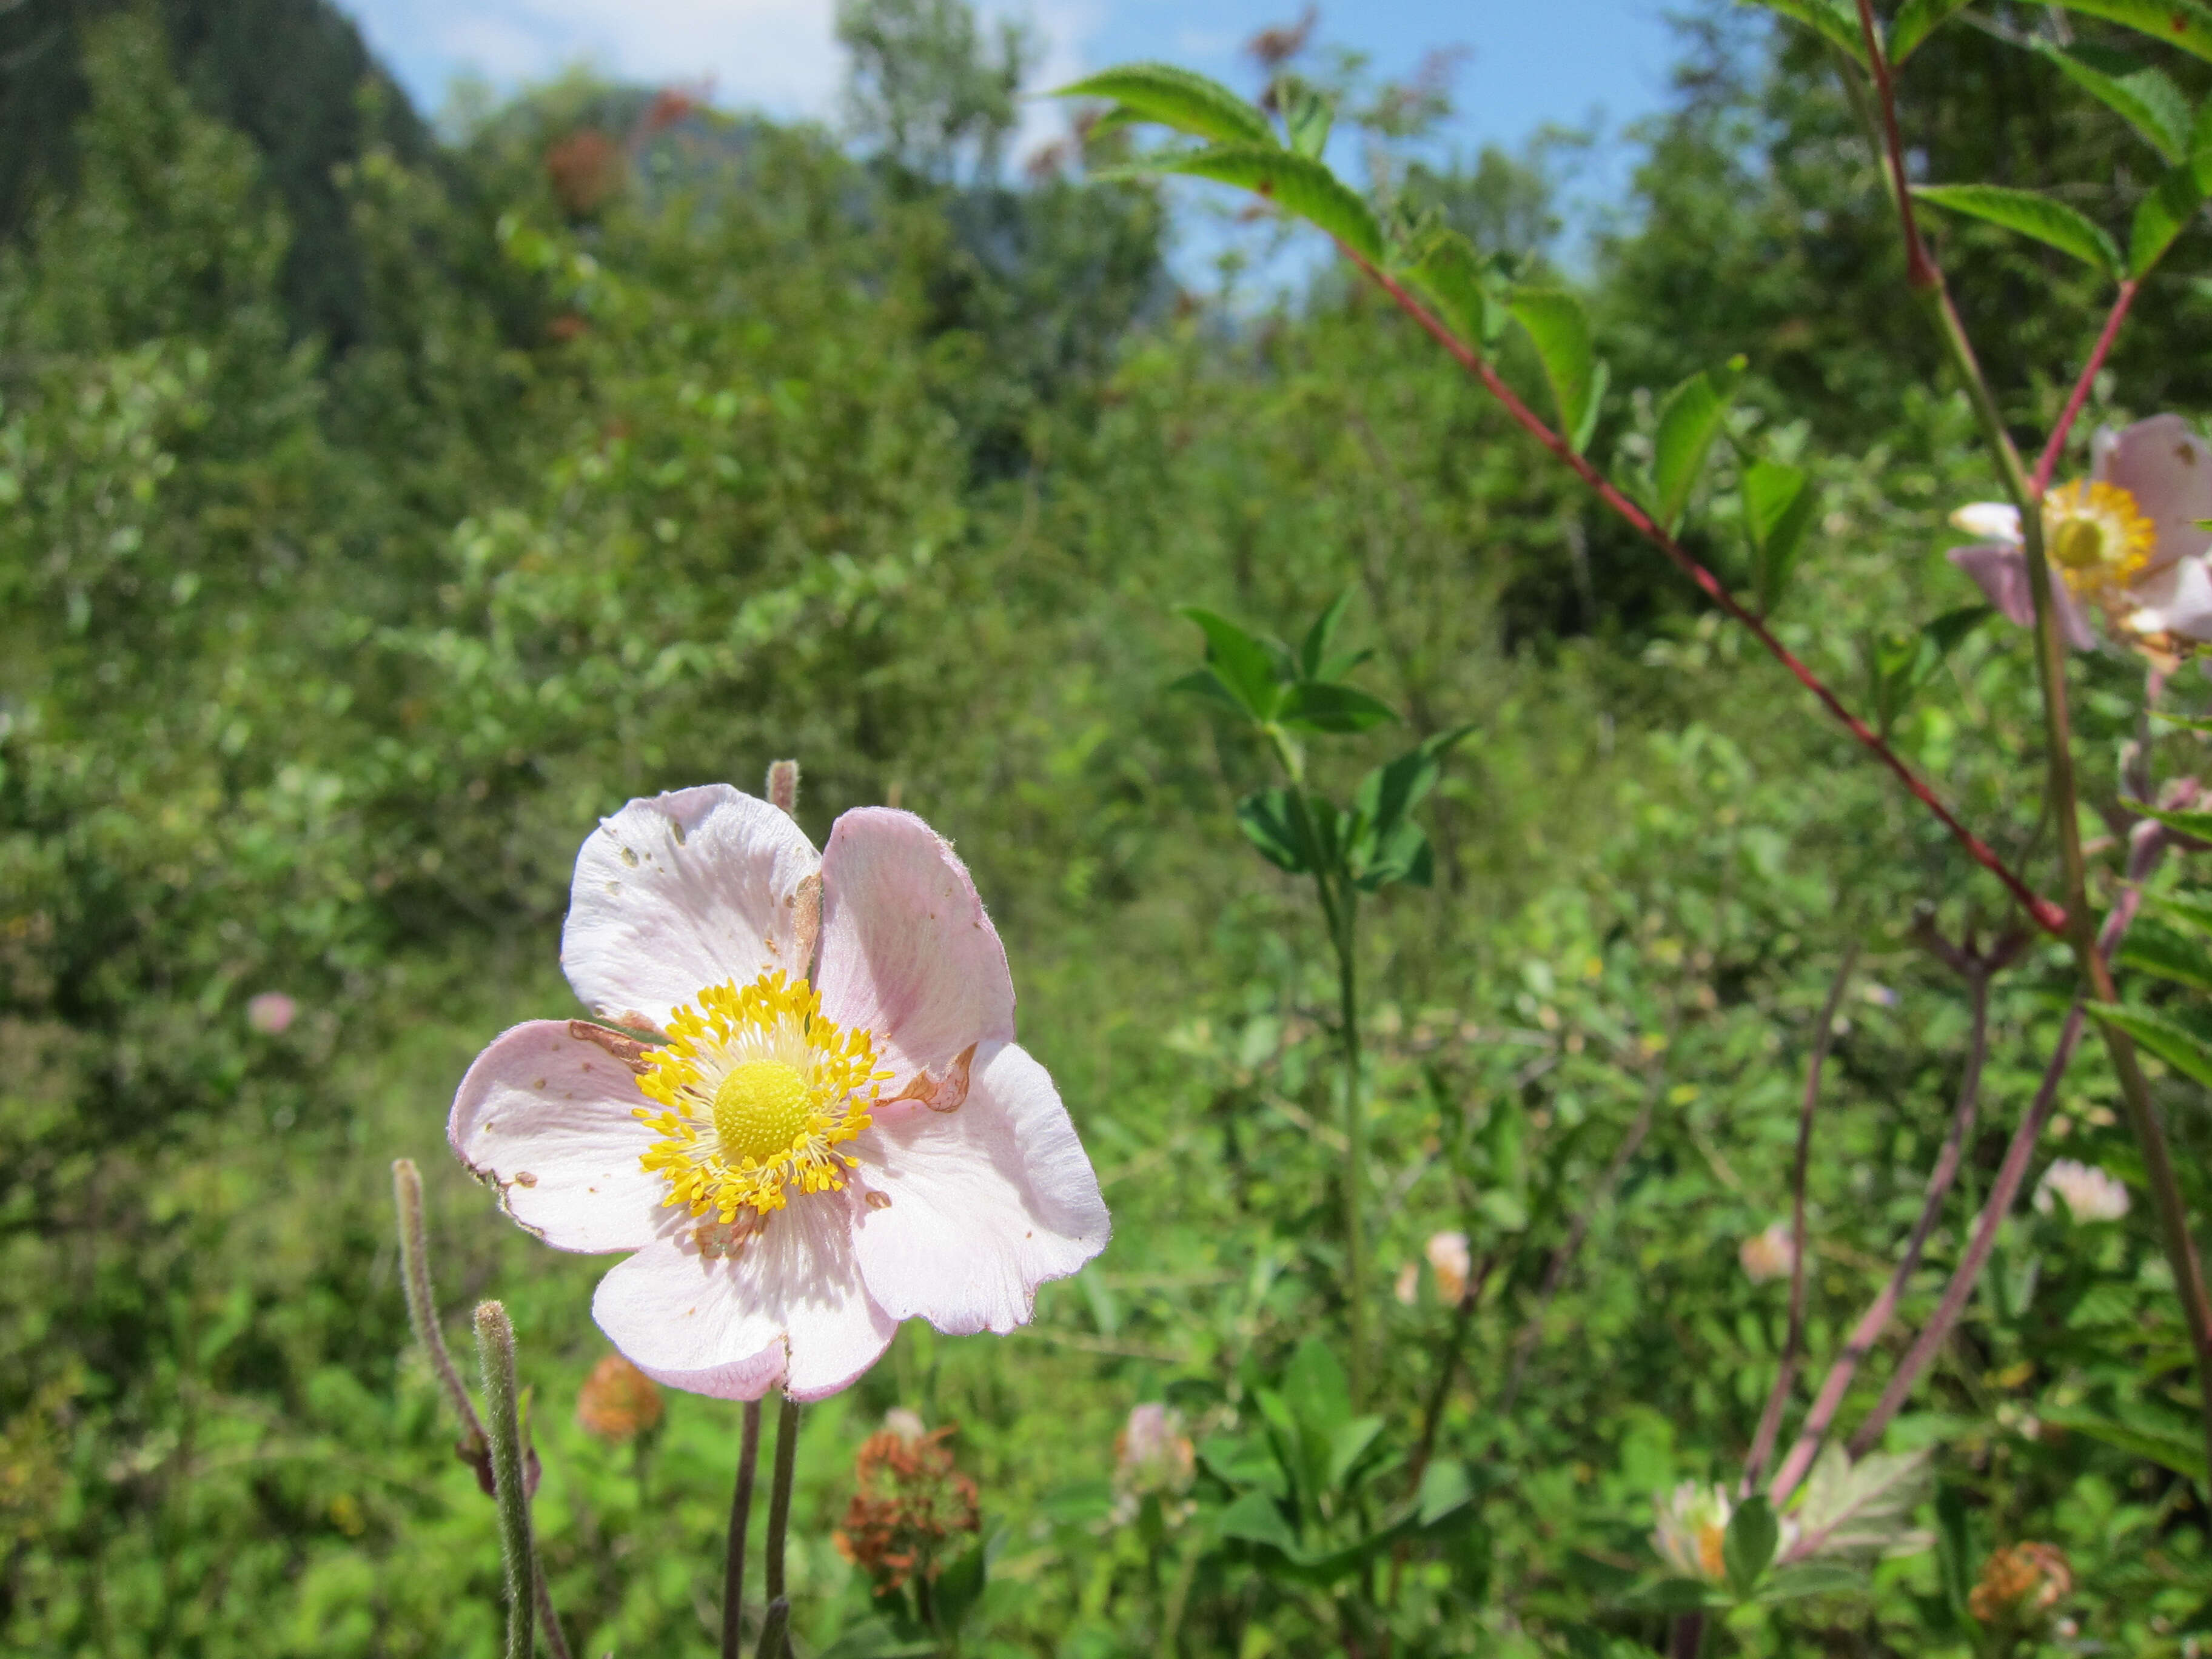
(911, 1508)
(2019, 1584)
(586, 168)
(618, 1403)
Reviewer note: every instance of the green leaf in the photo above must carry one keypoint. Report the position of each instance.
(2172, 1448)
(1779, 503)
(1399, 855)
(1313, 652)
(1246, 667)
(1315, 1389)
(1446, 1490)
(2051, 222)
(2143, 97)
(1748, 1545)
(1254, 1518)
(1848, 1509)
(1812, 1579)
(1468, 289)
(1205, 683)
(1322, 706)
(2166, 954)
(1298, 184)
(1348, 1448)
(1689, 420)
(1176, 98)
(1915, 22)
(2195, 823)
(1308, 113)
(1834, 21)
(1388, 794)
(1559, 329)
(1956, 1559)
(2183, 23)
(2188, 908)
(2176, 1045)
(1273, 821)
(960, 1587)
(2164, 213)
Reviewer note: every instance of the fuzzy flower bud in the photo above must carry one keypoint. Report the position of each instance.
(1769, 1255)
(272, 1013)
(1450, 1260)
(1693, 1528)
(910, 1507)
(1152, 1454)
(2090, 1193)
(2019, 1584)
(618, 1403)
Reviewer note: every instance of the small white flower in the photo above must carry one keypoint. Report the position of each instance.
(1692, 1531)
(2091, 1195)
(798, 1163)
(1450, 1260)
(1769, 1255)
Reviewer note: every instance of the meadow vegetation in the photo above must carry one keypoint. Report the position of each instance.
(354, 561)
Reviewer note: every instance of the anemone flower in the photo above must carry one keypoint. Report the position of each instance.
(2124, 540)
(799, 1159)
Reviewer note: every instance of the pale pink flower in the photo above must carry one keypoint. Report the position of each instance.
(1450, 1260)
(1692, 1530)
(272, 1013)
(1152, 1454)
(2125, 540)
(797, 1164)
(1769, 1255)
(1406, 1287)
(2091, 1193)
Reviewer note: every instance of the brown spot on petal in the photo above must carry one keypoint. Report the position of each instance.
(629, 1050)
(878, 1200)
(944, 1090)
(523, 1178)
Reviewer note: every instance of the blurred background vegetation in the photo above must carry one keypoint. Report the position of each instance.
(378, 509)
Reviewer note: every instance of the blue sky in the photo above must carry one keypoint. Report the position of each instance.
(1552, 60)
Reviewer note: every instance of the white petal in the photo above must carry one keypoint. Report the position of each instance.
(790, 1308)
(680, 892)
(1996, 521)
(907, 952)
(986, 1202)
(2167, 468)
(547, 1118)
(2001, 572)
(2176, 600)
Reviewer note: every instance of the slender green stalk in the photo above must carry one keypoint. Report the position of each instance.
(779, 1522)
(495, 1355)
(741, 1515)
(2080, 929)
(423, 1306)
(1346, 937)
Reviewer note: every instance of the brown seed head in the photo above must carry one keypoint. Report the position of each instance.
(618, 1402)
(2019, 1584)
(911, 1505)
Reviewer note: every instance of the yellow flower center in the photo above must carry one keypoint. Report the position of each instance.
(2098, 538)
(760, 1108)
(753, 1094)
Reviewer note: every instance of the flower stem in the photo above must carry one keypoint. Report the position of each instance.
(2080, 928)
(1770, 1419)
(741, 1515)
(1345, 934)
(779, 1523)
(2047, 463)
(775, 1626)
(423, 1306)
(495, 1355)
(2047, 916)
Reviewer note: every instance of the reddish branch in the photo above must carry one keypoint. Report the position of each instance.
(2048, 916)
(2048, 461)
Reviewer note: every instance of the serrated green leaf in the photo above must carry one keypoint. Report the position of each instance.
(1466, 288)
(1915, 22)
(1748, 1545)
(2144, 97)
(1298, 184)
(1847, 1508)
(2183, 23)
(1322, 706)
(1246, 667)
(1778, 504)
(2164, 213)
(2051, 222)
(2176, 1045)
(1689, 420)
(1832, 20)
(2193, 821)
(2165, 953)
(1308, 114)
(1273, 821)
(1559, 328)
(1176, 98)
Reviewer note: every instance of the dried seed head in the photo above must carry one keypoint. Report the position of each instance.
(910, 1507)
(618, 1403)
(2019, 1584)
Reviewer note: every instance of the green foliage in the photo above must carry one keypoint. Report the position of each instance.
(2051, 223)
(1558, 327)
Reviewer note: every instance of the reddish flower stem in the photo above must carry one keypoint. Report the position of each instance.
(1919, 270)
(2047, 462)
(2048, 916)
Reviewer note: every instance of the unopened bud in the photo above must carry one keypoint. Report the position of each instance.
(783, 785)
(1769, 1255)
(618, 1403)
(1450, 1260)
(1692, 1531)
(2019, 1584)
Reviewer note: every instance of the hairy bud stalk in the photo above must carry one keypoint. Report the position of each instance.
(495, 1354)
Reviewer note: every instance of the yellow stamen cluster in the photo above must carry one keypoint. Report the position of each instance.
(754, 1091)
(2097, 538)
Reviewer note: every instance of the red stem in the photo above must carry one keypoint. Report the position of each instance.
(1919, 270)
(2048, 916)
(2048, 461)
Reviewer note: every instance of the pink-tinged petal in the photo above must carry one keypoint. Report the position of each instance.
(987, 1202)
(2001, 572)
(907, 952)
(2175, 600)
(680, 892)
(546, 1118)
(1992, 521)
(788, 1309)
(2167, 468)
